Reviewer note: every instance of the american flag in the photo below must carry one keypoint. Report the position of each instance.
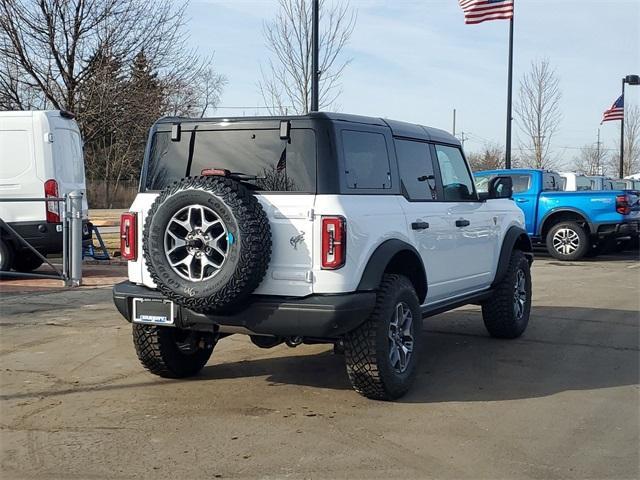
(282, 163)
(616, 112)
(478, 11)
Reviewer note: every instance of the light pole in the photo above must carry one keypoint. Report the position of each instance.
(631, 80)
(315, 19)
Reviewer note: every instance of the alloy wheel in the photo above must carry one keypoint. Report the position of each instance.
(197, 243)
(401, 337)
(566, 241)
(519, 294)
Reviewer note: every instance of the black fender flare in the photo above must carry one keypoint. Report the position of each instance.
(553, 211)
(515, 237)
(380, 259)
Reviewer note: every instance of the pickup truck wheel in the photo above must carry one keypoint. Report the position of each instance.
(26, 261)
(506, 313)
(382, 354)
(172, 352)
(567, 241)
(6, 256)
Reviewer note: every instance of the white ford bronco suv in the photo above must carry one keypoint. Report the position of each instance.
(323, 228)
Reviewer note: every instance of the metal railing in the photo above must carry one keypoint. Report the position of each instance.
(71, 215)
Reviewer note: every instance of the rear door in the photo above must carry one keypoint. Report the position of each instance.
(426, 216)
(68, 158)
(526, 197)
(284, 184)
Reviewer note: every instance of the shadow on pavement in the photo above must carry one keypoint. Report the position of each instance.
(564, 349)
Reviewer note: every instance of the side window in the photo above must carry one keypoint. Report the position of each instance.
(366, 160)
(456, 179)
(583, 183)
(416, 169)
(521, 182)
(551, 182)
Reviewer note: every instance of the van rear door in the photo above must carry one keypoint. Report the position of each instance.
(68, 159)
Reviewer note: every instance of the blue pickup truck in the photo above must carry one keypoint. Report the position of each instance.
(571, 224)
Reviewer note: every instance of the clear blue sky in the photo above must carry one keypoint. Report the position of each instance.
(417, 60)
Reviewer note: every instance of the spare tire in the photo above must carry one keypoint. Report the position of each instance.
(207, 243)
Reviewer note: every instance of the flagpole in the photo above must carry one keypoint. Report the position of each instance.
(622, 133)
(509, 93)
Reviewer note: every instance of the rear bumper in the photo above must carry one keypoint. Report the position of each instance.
(626, 229)
(44, 237)
(321, 316)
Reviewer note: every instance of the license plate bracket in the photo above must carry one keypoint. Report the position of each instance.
(153, 311)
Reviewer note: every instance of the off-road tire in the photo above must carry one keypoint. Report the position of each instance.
(26, 261)
(247, 262)
(158, 351)
(584, 244)
(6, 256)
(366, 348)
(498, 312)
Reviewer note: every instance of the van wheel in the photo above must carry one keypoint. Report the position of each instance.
(506, 313)
(6, 256)
(26, 262)
(172, 352)
(567, 241)
(382, 354)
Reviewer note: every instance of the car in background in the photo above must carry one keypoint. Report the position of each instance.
(629, 184)
(40, 156)
(570, 224)
(576, 182)
(600, 182)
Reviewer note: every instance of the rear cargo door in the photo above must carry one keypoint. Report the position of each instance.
(68, 159)
(278, 167)
(291, 222)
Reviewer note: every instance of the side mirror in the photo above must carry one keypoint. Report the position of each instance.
(501, 187)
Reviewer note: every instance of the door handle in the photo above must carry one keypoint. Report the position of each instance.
(419, 225)
(462, 223)
(522, 200)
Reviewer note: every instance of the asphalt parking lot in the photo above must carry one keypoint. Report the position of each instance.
(560, 402)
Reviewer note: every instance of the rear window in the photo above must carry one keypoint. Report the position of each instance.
(274, 165)
(551, 182)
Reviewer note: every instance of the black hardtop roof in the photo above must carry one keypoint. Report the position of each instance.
(400, 129)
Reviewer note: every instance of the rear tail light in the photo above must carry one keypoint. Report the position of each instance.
(53, 208)
(128, 236)
(622, 205)
(334, 242)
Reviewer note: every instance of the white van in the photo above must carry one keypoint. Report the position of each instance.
(40, 156)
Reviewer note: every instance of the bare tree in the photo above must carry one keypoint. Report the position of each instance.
(591, 160)
(631, 144)
(50, 42)
(538, 113)
(285, 85)
(490, 158)
(211, 85)
(117, 64)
